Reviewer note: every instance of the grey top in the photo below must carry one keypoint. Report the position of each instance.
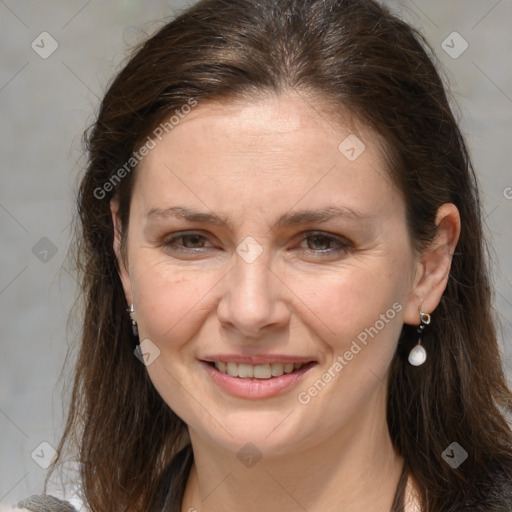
(45, 503)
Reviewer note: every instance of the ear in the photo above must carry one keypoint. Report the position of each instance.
(123, 271)
(433, 268)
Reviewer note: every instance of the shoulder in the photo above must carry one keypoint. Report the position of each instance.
(45, 503)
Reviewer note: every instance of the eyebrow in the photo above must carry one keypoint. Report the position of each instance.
(286, 220)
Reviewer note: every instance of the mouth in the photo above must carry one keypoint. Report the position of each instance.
(256, 381)
(258, 371)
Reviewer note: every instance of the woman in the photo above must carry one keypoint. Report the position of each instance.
(287, 303)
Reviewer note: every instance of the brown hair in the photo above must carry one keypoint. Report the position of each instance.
(356, 54)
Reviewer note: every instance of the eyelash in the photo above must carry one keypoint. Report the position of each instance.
(343, 245)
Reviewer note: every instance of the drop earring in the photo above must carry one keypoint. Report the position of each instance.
(135, 329)
(418, 355)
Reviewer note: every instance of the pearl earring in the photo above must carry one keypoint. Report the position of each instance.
(418, 355)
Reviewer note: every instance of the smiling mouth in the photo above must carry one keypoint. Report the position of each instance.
(259, 371)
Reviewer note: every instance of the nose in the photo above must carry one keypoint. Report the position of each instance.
(254, 300)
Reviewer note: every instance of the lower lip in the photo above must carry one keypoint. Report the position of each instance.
(256, 388)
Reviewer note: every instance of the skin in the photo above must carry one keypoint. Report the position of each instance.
(253, 162)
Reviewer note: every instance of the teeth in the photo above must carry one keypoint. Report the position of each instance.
(245, 370)
(276, 369)
(262, 371)
(259, 371)
(288, 367)
(233, 369)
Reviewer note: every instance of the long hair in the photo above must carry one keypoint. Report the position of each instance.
(361, 59)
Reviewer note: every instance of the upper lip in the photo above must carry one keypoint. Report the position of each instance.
(255, 360)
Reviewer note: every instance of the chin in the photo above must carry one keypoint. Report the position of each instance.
(267, 433)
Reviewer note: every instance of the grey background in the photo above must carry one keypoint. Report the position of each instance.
(45, 106)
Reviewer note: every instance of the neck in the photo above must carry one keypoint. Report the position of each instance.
(353, 470)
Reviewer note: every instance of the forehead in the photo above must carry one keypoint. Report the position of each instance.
(264, 152)
(275, 120)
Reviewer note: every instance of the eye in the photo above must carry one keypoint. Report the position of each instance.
(191, 242)
(320, 244)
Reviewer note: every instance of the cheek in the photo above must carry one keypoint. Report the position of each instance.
(359, 314)
(349, 302)
(169, 301)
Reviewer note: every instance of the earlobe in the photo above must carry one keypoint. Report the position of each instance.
(434, 265)
(123, 271)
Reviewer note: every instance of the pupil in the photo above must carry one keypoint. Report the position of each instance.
(320, 237)
(194, 238)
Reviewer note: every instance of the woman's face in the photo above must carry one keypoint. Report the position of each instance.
(298, 253)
